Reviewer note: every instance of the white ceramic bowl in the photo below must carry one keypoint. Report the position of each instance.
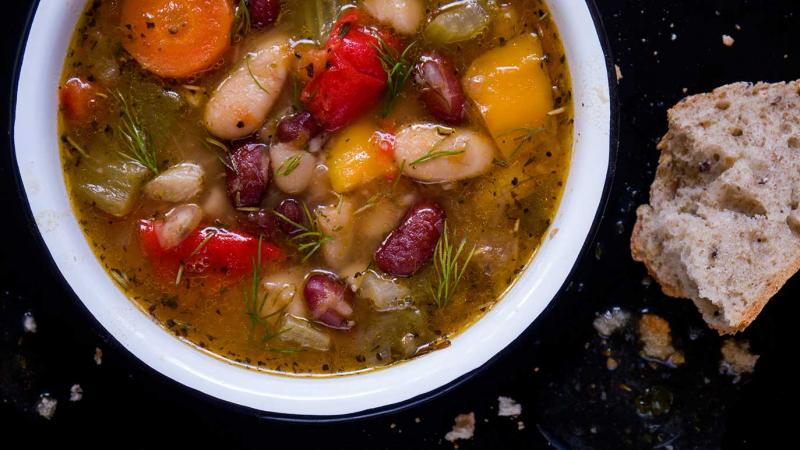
(37, 157)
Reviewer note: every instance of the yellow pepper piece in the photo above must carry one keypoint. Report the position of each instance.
(358, 155)
(511, 90)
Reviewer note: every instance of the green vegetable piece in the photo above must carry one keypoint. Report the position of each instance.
(113, 187)
(460, 22)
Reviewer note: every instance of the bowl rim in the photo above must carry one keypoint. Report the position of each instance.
(109, 337)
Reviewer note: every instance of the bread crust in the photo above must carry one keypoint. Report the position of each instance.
(683, 141)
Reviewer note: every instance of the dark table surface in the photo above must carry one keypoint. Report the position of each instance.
(556, 370)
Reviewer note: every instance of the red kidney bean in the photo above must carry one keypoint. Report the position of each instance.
(298, 128)
(270, 225)
(264, 12)
(329, 300)
(413, 242)
(440, 88)
(292, 210)
(248, 181)
(262, 222)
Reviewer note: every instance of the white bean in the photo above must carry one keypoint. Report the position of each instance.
(177, 224)
(297, 180)
(179, 183)
(241, 102)
(404, 16)
(337, 222)
(472, 153)
(284, 290)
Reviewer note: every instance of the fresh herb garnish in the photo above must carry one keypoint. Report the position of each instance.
(120, 277)
(194, 252)
(252, 75)
(448, 269)
(289, 165)
(224, 157)
(397, 178)
(77, 147)
(311, 239)
(371, 202)
(434, 153)
(344, 30)
(203, 243)
(523, 135)
(131, 132)
(398, 69)
(179, 277)
(318, 15)
(254, 304)
(241, 21)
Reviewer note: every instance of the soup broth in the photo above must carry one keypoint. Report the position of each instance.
(330, 225)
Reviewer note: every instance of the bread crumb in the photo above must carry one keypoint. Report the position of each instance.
(655, 334)
(29, 323)
(737, 359)
(612, 364)
(417, 420)
(618, 72)
(611, 321)
(727, 40)
(46, 406)
(520, 425)
(98, 356)
(464, 428)
(75, 393)
(508, 407)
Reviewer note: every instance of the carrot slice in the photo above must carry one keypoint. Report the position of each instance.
(177, 38)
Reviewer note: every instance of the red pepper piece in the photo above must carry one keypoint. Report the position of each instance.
(353, 79)
(222, 256)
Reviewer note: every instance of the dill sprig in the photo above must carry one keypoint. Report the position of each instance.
(448, 269)
(289, 165)
(194, 252)
(254, 303)
(224, 157)
(371, 202)
(252, 75)
(311, 239)
(523, 135)
(133, 135)
(77, 147)
(434, 153)
(241, 21)
(396, 180)
(398, 70)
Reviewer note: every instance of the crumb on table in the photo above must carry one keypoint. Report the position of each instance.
(656, 337)
(611, 321)
(464, 427)
(508, 407)
(46, 406)
(737, 359)
(727, 40)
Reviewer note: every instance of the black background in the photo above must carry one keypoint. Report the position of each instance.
(557, 370)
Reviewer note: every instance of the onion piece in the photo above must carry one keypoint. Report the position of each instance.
(459, 21)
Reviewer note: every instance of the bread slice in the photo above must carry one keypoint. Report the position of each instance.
(723, 224)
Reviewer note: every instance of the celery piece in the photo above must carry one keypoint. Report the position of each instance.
(113, 187)
(301, 332)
